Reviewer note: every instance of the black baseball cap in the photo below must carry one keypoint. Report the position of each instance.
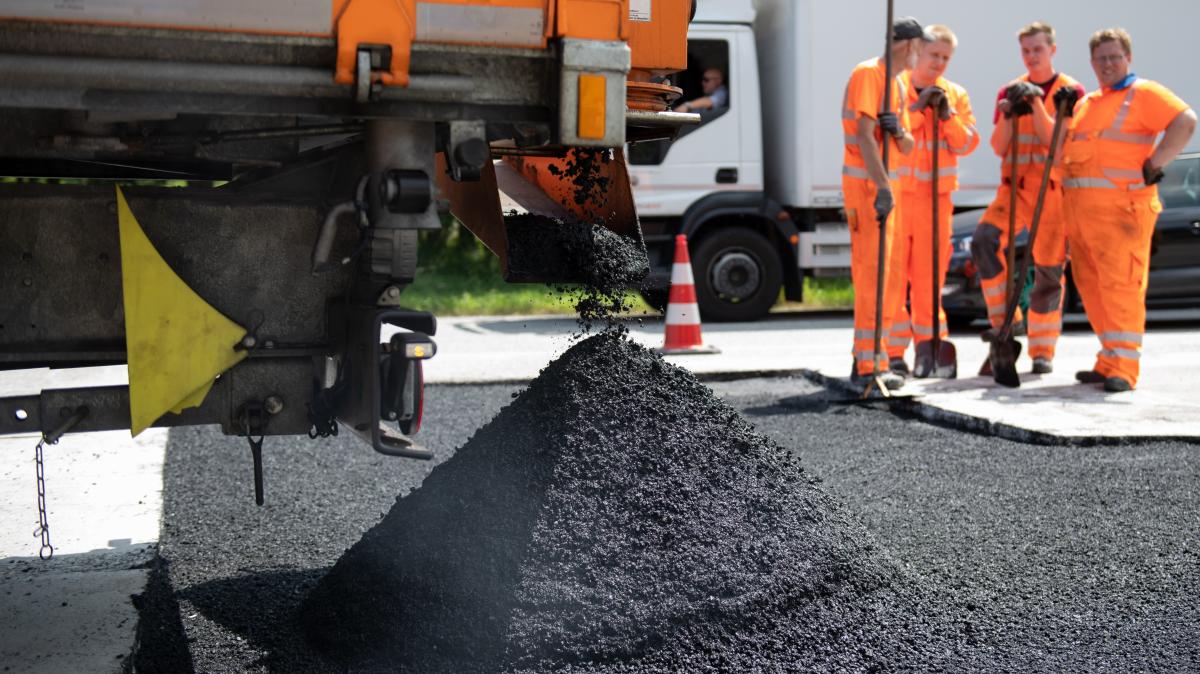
(906, 28)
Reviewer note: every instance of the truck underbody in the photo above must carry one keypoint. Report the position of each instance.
(291, 204)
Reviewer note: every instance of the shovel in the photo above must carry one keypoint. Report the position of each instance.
(935, 358)
(881, 264)
(1004, 350)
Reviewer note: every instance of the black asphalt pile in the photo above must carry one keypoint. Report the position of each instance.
(617, 516)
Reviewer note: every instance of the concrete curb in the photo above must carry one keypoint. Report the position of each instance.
(980, 426)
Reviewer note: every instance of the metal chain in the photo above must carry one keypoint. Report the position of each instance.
(43, 529)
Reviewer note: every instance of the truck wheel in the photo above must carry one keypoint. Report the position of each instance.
(738, 275)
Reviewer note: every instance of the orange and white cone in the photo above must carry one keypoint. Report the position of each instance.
(683, 314)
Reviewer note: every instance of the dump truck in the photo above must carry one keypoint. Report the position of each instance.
(227, 196)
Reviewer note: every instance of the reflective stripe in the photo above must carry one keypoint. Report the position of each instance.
(922, 330)
(850, 140)
(928, 145)
(901, 327)
(996, 311)
(849, 114)
(1127, 354)
(901, 342)
(681, 274)
(867, 356)
(972, 132)
(994, 291)
(1130, 337)
(1045, 327)
(1101, 184)
(864, 334)
(1042, 341)
(857, 172)
(942, 173)
(1126, 103)
(683, 314)
(1132, 138)
(904, 171)
(1028, 139)
(1122, 174)
(1094, 183)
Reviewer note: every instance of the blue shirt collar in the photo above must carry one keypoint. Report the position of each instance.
(1126, 83)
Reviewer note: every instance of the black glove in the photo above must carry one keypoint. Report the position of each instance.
(890, 123)
(1150, 175)
(933, 96)
(883, 203)
(1066, 96)
(943, 108)
(1019, 96)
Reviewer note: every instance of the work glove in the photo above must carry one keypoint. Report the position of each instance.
(928, 98)
(943, 108)
(1019, 97)
(1150, 174)
(890, 123)
(1068, 97)
(883, 203)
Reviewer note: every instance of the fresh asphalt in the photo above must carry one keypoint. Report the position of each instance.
(1064, 557)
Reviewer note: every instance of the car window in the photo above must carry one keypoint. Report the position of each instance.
(1180, 186)
(707, 78)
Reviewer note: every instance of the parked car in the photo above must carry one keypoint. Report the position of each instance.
(1174, 256)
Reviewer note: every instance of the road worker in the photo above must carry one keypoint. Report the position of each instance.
(1029, 97)
(929, 93)
(1110, 170)
(871, 190)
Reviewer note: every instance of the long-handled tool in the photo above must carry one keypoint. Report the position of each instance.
(936, 358)
(1001, 354)
(881, 265)
(1012, 346)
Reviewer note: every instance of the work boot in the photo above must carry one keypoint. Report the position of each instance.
(985, 370)
(891, 380)
(1042, 366)
(898, 366)
(1089, 377)
(1117, 385)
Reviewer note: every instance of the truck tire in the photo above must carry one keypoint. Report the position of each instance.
(738, 275)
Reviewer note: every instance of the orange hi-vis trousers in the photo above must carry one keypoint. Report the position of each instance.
(914, 266)
(988, 246)
(864, 250)
(1110, 235)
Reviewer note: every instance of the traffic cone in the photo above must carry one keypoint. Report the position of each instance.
(683, 315)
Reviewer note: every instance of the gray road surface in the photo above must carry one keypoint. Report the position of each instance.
(1066, 557)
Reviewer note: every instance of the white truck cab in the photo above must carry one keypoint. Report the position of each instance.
(709, 183)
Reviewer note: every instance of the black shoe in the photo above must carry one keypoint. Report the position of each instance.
(1042, 366)
(1117, 385)
(890, 380)
(1089, 377)
(898, 366)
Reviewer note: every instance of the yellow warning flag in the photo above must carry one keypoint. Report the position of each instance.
(177, 344)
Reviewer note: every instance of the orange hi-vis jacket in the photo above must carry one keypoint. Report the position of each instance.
(959, 138)
(1031, 153)
(864, 96)
(1113, 133)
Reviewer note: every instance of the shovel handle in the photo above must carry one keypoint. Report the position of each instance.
(1011, 310)
(936, 228)
(881, 261)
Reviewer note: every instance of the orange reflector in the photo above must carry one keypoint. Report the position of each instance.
(591, 106)
(795, 239)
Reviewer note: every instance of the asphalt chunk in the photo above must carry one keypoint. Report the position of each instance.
(617, 516)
